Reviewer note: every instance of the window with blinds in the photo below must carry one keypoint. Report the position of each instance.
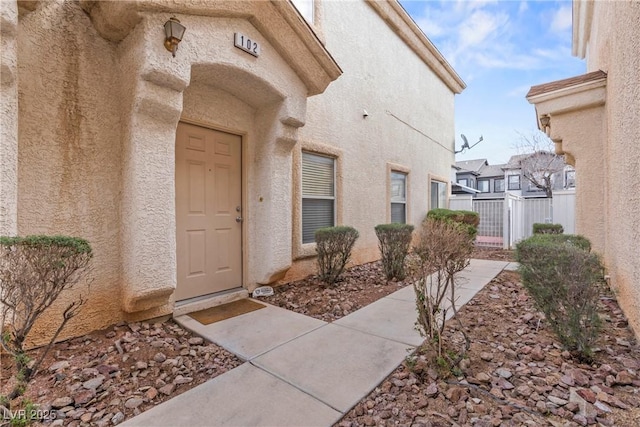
(318, 194)
(398, 197)
(438, 195)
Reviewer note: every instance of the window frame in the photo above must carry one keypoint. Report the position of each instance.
(466, 181)
(404, 202)
(495, 181)
(333, 198)
(483, 180)
(439, 180)
(509, 187)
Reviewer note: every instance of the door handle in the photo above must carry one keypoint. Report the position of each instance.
(239, 219)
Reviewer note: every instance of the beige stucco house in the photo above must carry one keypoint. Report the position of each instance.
(594, 119)
(198, 177)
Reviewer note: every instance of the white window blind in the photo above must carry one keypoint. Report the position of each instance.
(318, 194)
(398, 197)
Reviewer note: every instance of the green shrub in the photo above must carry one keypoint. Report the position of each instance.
(562, 276)
(575, 240)
(34, 270)
(540, 228)
(394, 240)
(334, 245)
(468, 220)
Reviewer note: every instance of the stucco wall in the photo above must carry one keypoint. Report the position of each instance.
(8, 118)
(69, 151)
(614, 47)
(408, 107)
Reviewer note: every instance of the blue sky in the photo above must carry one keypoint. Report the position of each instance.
(500, 49)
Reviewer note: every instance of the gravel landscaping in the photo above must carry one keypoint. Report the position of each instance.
(516, 372)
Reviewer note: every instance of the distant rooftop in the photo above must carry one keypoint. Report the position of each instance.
(472, 165)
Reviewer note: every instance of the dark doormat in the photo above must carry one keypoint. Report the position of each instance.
(226, 311)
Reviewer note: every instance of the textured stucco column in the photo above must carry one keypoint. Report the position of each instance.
(583, 138)
(272, 222)
(8, 118)
(148, 230)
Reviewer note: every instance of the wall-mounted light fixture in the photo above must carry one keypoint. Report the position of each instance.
(545, 121)
(173, 32)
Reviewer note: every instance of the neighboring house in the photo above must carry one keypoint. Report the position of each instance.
(493, 181)
(199, 176)
(594, 119)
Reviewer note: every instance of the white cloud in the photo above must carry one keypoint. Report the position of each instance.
(479, 27)
(430, 28)
(524, 6)
(519, 92)
(562, 19)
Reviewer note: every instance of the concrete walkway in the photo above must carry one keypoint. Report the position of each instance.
(300, 371)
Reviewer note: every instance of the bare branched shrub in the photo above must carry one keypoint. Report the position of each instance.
(443, 249)
(334, 245)
(34, 270)
(394, 241)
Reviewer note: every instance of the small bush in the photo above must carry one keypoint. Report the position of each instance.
(443, 249)
(468, 219)
(534, 241)
(539, 228)
(34, 270)
(394, 240)
(562, 278)
(334, 245)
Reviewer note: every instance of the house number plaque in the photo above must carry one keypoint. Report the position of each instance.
(247, 44)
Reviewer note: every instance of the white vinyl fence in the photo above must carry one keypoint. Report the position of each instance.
(504, 222)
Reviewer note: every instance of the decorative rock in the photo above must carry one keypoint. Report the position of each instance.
(182, 380)
(84, 396)
(579, 377)
(196, 341)
(602, 407)
(58, 366)
(141, 365)
(624, 378)
(537, 354)
(106, 369)
(93, 383)
(524, 390)
(167, 389)
(557, 401)
(587, 395)
(159, 357)
(483, 378)
(151, 393)
(504, 373)
(580, 419)
(487, 357)
(61, 402)
(132, 403)
(585, 408)
(432, 389)
(86, 417)
(568, 380)
(504, 384)
(117, 418)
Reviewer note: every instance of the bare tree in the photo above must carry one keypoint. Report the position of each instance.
(538, 161)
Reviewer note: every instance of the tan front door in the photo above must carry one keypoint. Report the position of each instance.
(208, 211)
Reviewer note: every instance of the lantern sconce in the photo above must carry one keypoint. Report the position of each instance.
(173, 32)
(545, 122)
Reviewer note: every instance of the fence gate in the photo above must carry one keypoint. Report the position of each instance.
(491, 229)
(515, 225)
